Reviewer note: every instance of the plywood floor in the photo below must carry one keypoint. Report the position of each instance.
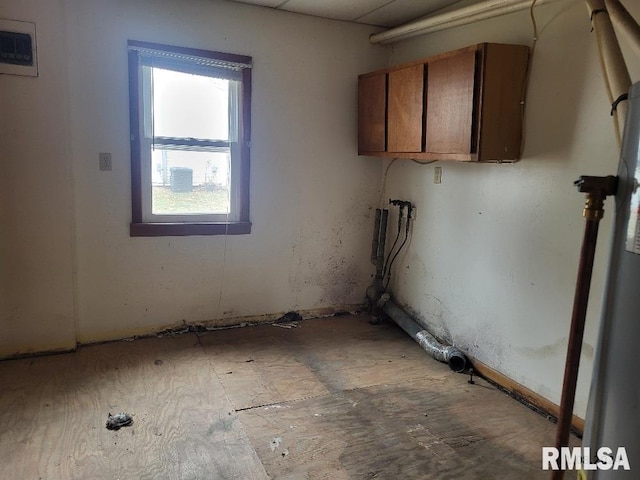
(331, 399)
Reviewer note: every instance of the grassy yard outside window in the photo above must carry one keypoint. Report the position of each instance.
(190, 128)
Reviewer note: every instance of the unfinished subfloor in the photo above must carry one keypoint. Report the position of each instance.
(331, 399)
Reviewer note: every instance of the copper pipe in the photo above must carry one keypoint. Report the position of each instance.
(597, 189)
(576, 332)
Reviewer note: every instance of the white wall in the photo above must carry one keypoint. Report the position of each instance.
(36, 262)
(493, 258)
(311, 195)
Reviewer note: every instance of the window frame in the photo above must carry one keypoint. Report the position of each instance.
(141, 228)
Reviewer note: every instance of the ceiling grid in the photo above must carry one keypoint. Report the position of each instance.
(381, 13)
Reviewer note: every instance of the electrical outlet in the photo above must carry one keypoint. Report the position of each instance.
(437, 175)
(105, 162)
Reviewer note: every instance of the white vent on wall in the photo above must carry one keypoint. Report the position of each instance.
(18, 48)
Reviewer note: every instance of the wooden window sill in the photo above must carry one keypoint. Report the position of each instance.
(185, 229)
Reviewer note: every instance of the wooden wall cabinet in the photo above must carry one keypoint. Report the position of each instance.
(404, 113)
(372, 113)
(464, 105)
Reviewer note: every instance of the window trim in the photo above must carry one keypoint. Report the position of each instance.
(139, 228)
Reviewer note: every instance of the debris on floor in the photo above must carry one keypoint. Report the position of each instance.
(286, 325)
(289, 317)
(119, 420)
(275, 443)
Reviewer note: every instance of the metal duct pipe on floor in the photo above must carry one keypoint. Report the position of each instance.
(461, 16)
(451, 355)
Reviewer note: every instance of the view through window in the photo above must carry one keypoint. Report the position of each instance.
(190, 129)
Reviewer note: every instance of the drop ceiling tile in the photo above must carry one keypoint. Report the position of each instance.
(338, 9)
(402, 11)
(387, 13)
(262, 3)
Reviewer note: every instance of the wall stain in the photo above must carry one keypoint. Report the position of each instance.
(558, 347)
(324, 261)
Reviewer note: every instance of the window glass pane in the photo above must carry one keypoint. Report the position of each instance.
(188, 182)
(189, 106)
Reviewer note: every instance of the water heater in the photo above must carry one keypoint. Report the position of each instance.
(613, 412)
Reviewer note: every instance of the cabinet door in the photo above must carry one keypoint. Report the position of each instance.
(372, 107)
(450, 103)
(404, 120)
(500, 121)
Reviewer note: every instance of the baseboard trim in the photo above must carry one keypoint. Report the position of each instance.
(524, 395)
(192, 327)
(38, 353)
(217, 324)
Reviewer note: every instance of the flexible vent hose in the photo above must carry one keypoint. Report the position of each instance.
(443, 353)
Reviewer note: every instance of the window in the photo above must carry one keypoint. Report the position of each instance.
(190, 128)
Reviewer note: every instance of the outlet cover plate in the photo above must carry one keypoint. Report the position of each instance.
(437, 175)
(105, 162)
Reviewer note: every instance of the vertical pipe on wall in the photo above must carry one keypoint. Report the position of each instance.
(576, 333)
(375, 238)
(624, 22)
(378, 246)
(614, 69)
(597, 189)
